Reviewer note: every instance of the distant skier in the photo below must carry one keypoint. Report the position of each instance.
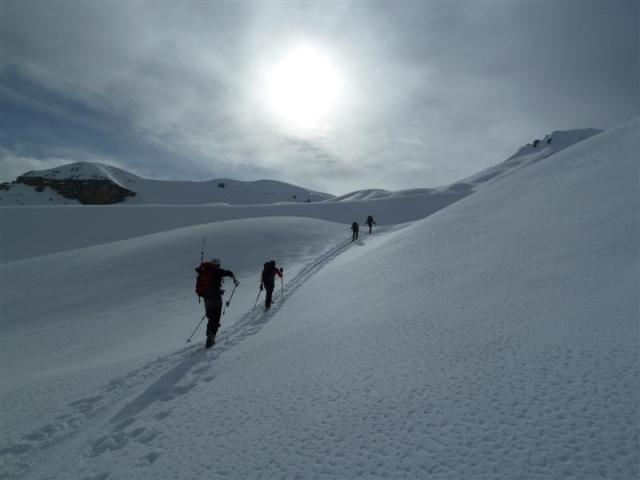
(370, 221)
(209, 287)
(268, 280)
(355, 228)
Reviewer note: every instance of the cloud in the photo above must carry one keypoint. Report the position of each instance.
(13, 166)
(434, 90)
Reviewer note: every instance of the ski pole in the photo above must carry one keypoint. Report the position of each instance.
(282, 283)
(229, 301)
(256, 302)
(195, 329)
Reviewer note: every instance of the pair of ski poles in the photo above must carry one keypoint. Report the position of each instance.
(226, 304)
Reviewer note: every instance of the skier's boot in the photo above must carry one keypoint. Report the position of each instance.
(211, 340)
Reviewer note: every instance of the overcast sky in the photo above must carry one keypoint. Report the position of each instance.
(335, 96)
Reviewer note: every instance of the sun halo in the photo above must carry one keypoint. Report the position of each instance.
(303, 90)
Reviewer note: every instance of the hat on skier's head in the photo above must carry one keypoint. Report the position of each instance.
(272, 262)
(215, 261)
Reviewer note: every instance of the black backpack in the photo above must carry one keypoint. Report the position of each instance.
(269, 272)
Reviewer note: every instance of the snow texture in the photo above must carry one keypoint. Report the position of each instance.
(496, 338)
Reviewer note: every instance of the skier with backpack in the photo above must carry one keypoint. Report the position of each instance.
(209, 287)
(355, 228)
(267, 281)
(370, 221)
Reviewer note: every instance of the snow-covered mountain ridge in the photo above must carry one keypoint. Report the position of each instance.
(99, 184)
(85, 171)
(554, 142)
(526, 155)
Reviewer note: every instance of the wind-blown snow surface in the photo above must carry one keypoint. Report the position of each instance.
(497, 338)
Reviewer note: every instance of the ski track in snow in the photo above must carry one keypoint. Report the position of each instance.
(83, 426)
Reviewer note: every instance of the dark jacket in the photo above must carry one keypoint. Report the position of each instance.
(269, 273)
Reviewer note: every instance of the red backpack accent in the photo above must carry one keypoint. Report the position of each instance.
(205, 280)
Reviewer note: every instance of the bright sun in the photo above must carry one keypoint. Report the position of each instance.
(303, 90)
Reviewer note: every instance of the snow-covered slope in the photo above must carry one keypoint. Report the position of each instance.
(39, 230)
(497, 338)
(149, 191)
(525, 156)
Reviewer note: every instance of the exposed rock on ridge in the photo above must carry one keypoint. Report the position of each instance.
(86, 191)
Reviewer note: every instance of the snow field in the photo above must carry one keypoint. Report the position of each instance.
(518, 360)
(71, 227)
(111, 308)
(420, 359)
(497, 338)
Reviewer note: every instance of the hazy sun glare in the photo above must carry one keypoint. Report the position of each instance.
(303, 90)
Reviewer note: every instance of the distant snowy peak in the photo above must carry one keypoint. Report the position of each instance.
(100, 184)
(85, 171)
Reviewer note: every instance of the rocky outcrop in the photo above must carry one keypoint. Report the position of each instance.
(86, 191)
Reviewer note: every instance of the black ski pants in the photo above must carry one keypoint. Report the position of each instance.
(213, 310)
(268, 288)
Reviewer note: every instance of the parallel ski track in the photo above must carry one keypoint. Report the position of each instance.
(101, 421)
